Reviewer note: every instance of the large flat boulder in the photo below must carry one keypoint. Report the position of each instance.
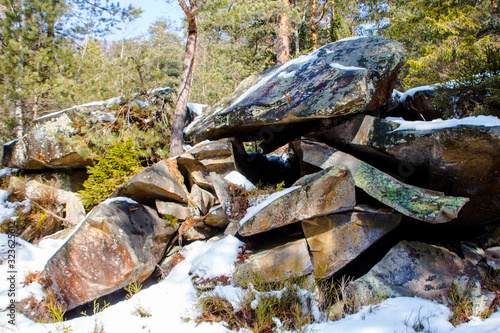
(335, 240)
(328, 191)
(418, 203)
(345, 77)
(119, 242)
(461, 160)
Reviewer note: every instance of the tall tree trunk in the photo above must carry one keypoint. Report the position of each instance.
(312, 26)
(186, 79)
(283, 42)
(18, 114)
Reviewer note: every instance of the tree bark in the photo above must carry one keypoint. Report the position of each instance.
(186, 79)
(312, 25)
(283, 42)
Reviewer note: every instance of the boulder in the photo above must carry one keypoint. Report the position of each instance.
(328, 191)
(177, 210)
(56, 141)
(196, 172)
(285, 261)
(155, 183)
(345, 77)
(42, 148)
(335, 240)
(459, 160)
(216, 218)
(119, 242)
(203, 200)
(493, 257)
(73, 205)
(421, 270)
(421, 204)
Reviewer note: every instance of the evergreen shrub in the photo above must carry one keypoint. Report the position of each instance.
(114, 168)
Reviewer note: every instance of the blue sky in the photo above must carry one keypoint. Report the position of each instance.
(152, 10)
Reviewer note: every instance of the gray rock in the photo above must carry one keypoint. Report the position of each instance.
(325, 192)
(414, 269)
(340, 78)
(203, 199)
(177, 210)
(118, 243)
(418, 203)
(154, 183)
(336, 239)
(493, 257)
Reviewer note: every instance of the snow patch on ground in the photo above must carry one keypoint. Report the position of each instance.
(171, 303)
(218, 258)
(405, 125)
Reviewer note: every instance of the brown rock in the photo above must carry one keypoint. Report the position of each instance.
(285, 261)
(336, 239)
(118, 243)
(154, 183)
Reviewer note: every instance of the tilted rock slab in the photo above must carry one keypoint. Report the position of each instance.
(336, 239)
(421, 204)
(345, 77)
(461, 160)
(328, 191)
(119, 242)
(157, 182)
(421, 270)
(284, 261)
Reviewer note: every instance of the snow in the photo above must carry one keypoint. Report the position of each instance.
(7, 172)
(251, 211)
(347, 68)
(278, 70)
(218, 258)
(411, 92)
(196, 108)
(171, 303)
(236, 178)
(7, 209)
(405, 125)
(350, 39)
(119, 199)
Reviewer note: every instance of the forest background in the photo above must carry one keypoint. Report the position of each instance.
(54, 54)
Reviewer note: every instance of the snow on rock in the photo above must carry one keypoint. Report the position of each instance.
(218, 259)
(405, 125)
(196, 108)
(111, 200)
(236, 178)
(251, 211)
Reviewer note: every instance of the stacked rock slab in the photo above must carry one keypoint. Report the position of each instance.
(119, 242)
(415, 202)
(326, 192)
(346, 77)
(461, 161)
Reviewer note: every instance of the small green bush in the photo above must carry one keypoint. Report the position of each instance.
(117, 166)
